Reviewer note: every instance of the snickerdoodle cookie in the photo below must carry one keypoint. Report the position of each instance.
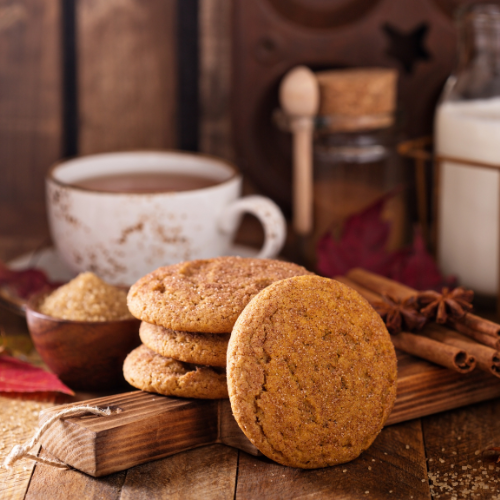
(311, 372)
(204, 296)
(148, 371)
(198, 348)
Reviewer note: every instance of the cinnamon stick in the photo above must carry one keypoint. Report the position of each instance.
(473, 325)
(380, 284)
(439, 353)
(487, 359)
(482, 338)
(481, 325)
(369, 295)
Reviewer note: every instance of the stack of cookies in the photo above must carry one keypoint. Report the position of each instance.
(188, 311)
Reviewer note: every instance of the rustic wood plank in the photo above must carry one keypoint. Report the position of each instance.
(425, 389)
(146, 427)
(14, 484)
(143, 427)
(30, 111)
(12, 246)
(18, 422)
(230, 433)
(50, 483)
(215, 77)
(126, 74)
(453, 442)
(207, 473)
(393, 467)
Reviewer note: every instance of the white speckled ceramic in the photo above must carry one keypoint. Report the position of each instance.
(123, 236)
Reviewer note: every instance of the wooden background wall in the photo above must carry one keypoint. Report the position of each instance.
(87, 76)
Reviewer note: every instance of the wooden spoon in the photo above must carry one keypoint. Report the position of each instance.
(299, 98)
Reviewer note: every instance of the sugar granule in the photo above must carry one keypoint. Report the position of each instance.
(87, 298)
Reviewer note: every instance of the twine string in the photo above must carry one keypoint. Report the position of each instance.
(22, 451)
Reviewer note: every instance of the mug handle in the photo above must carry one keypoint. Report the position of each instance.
(269, 215)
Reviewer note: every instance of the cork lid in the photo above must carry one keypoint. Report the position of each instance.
(359, 98)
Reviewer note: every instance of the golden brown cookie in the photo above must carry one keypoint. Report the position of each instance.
(198, 348)
(148, 371)
(311, 372)
(205, 296)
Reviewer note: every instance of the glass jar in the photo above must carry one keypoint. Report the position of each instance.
(467, 145)
(353, 169)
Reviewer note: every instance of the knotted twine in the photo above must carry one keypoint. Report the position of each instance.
(22, 451)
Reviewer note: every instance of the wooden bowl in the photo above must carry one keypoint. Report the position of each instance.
(85, 355)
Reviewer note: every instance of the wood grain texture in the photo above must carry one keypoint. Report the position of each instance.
(30, 111)
(393, 467)
(84, 355)
(425, 389)
(49, 483)
(126, 74)
(453, 442)
(14, 483)
(147, 427)
(205, 473)
(215, 25)
(230, 433)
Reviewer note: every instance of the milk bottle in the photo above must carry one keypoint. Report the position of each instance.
(467, 128)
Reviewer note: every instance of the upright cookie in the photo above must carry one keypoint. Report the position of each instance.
(205, 296)
(198, 348)
(148, 371)
(311, 372)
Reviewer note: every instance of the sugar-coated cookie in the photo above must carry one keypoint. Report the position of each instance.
(148, 371)
(198, 348)
(311, 372)
(204, 296)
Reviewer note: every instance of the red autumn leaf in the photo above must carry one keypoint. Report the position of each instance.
(18, 376)
(418, 269)
(363, 243)
(25, 283)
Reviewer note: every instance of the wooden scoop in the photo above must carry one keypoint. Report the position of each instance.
(299, 98)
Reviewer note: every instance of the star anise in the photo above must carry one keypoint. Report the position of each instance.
(447, 304)
(400, 314)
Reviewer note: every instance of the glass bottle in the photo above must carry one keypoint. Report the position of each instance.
(467, 145)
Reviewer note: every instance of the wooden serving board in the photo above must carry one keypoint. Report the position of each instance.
(151, 426)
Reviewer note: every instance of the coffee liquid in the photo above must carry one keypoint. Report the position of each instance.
(146, 182)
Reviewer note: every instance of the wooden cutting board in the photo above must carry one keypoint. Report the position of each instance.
(150, 426)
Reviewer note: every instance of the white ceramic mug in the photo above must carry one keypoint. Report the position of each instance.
(122, 236)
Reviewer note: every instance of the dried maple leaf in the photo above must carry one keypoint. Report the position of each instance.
(417, 268)
(447, 304)
(363, 243)
(400, 314)
(18, 376)
(25, 283)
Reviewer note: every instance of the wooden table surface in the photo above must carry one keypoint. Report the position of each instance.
(432, 457)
